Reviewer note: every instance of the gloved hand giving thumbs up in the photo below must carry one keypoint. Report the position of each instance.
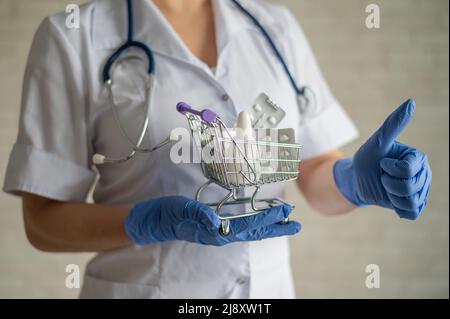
(385, 172)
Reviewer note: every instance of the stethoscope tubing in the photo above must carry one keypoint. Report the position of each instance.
(107, 79)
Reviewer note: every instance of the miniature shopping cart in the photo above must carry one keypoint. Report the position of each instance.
(235, 163)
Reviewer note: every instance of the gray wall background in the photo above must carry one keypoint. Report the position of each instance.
(371, 72)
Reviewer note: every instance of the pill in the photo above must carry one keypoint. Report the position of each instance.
(284, 138)
(272, 120)
(257, 108)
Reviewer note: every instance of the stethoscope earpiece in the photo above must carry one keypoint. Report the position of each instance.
(98, 159)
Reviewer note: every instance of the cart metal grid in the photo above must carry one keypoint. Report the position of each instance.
(235, 163)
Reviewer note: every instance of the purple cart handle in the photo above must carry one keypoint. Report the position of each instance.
(207, 115)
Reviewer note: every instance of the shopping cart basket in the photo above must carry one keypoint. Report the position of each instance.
(235, 163)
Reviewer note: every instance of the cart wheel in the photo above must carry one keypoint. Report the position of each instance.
(285, 221)
(224, 227)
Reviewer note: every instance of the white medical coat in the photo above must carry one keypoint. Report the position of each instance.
(66, 117)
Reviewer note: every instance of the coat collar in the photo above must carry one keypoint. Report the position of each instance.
(151, 27)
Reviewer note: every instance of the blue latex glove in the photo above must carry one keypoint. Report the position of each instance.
(181, 218)
(385, 172)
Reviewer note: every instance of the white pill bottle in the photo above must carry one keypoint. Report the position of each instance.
(243, 159)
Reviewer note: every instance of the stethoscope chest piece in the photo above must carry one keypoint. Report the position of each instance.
(306, 102)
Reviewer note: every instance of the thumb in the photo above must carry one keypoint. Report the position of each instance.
(393, 126)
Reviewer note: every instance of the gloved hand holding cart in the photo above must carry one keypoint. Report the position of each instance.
(235, 163)
(235, 159)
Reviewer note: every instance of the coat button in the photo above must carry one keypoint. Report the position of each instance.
(240, 281)
(225, 97)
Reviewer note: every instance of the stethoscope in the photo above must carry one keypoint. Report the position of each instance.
(305, 96)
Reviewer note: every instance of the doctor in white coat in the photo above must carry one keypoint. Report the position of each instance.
(210, 54)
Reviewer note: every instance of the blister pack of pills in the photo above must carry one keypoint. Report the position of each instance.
(265, 113)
